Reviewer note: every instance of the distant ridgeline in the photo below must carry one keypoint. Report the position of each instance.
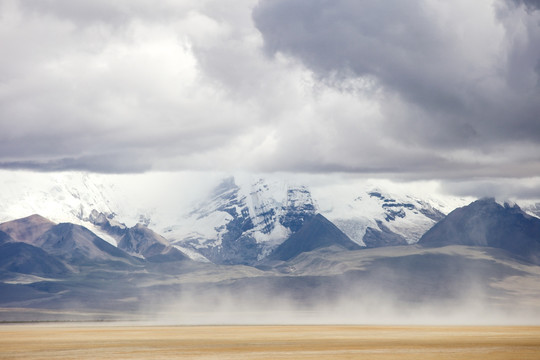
(301, 256)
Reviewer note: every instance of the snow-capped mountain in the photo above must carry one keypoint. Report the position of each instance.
(244, 223)
(60, 197)
(243, 220)
(238, 219)
(377, 218)
(155, 200)
(531, 208)
(288, 230)
(84, 199)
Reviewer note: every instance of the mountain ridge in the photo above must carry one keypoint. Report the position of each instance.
(485, 222)
(319, 265)
(27, 229)
(317, 232)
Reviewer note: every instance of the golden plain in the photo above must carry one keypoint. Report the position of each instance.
(112, 341)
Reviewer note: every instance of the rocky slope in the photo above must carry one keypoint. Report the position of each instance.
(377, 218)
(241, 225)
(72, 273)
(27, 229)
(243, 222)
(316, 233)
(487, 223)
(240, 222)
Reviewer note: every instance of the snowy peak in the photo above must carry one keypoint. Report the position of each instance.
(298, 207)
(262, 204)
(377, 218)
(263, 207)
(225, 198)
(395, 209)
(244, 221)
(279, 203)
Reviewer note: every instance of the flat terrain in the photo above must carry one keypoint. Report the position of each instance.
(112, 341)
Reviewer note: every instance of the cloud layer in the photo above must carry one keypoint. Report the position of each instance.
(423, 90)
(459, 82)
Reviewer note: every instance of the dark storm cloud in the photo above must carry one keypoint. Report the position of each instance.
(395, 41)
(530, 4)
(455, 76)
(101, 164)
(409, 90)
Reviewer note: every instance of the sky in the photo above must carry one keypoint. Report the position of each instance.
(417, 90)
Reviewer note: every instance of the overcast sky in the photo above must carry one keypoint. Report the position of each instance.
(411, 90)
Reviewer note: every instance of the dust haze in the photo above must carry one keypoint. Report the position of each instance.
(454, 285)
(331, 304)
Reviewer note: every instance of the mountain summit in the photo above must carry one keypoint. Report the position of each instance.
(241, 224)
(27, 229)
(488, 223)
(316, 233)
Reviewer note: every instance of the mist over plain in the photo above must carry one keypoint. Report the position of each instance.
(467, 287)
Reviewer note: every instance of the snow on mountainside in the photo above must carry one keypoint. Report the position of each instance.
(531, 208)
(376, 211)
(244, 223)
(59, 197)
(244, 219)
(62, 197)
(240, 221)
(90, 199)
(381, 213)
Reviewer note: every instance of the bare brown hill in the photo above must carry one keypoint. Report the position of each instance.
(27, 229)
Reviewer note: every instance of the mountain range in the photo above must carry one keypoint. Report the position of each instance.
(269, 246)
(244, 223)
(240, 221)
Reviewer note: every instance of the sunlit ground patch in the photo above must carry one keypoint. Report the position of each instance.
(120, 341)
